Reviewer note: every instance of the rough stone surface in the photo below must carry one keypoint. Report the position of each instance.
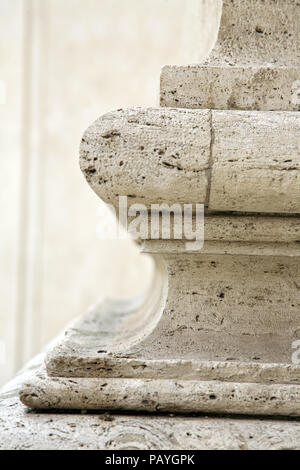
(263, 32)
(229, 160)
(231, 87)
(219, 317)
(254, 65)
(22, 429)
(214, 248)
(88, 349)
(154, 155)
(256, 162)
(153, 376)
(216, 331)
(251, 228)
(155, 395)
(228, 306)
(240, 229)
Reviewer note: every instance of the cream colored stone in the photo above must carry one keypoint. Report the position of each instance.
(256, 162)
(241, 332)
(220, 227)
(254, 64)
(229, 160)
(91, 348)
(217, 329)
(263, 32)
(159, 396)
(258, 229)
(109, 431)
(231, 87)
(154, 155)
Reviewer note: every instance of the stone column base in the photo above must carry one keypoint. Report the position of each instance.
(81, 376)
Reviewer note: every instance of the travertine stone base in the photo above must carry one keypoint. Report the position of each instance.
(82, 376)
(109, 431)
(86, 352)
(153, 395)
(214, 334)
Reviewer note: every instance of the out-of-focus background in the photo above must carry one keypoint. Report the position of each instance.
(62, 64)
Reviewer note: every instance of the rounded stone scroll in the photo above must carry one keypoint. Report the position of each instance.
(240, 161)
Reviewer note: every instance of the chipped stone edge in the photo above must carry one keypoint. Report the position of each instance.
(180, 396)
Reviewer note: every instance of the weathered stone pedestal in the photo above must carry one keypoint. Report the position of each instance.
(216, 331)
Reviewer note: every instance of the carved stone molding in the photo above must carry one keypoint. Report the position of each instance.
(216, 331)
(254, 64)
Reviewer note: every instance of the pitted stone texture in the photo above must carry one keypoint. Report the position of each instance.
(86, 351)
(229, 160)
(256, 162)
(226, 352)
(214, 248)
(231, 87)
(227, 307)
(20, 429)
(260, 32)
(149, 155)
(253, 66)
(252, 228)
(153, 395)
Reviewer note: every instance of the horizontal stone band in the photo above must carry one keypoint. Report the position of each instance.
(260, 88)
(160, 396)
(240, 161)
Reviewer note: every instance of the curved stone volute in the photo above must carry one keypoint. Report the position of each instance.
(149, 155)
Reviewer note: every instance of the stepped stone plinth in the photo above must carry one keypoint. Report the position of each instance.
(217, 330)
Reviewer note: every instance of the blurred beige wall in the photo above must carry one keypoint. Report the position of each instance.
(64, 63)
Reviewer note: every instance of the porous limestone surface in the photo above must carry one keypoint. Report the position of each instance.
(258, 32)
(251, 228)
(253, 66)
(153, 155)
(230, 87)
(216, 308)
(82, 375)
(256, 162)
(222, 307)
(86, 351)
(228, 160)
(156, 395)
(23, 429)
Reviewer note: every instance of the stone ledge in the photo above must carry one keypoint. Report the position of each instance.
(237, 161)
(230, 87)
(155, 395)
(84, 352)
(83, 371)
(23, 430)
